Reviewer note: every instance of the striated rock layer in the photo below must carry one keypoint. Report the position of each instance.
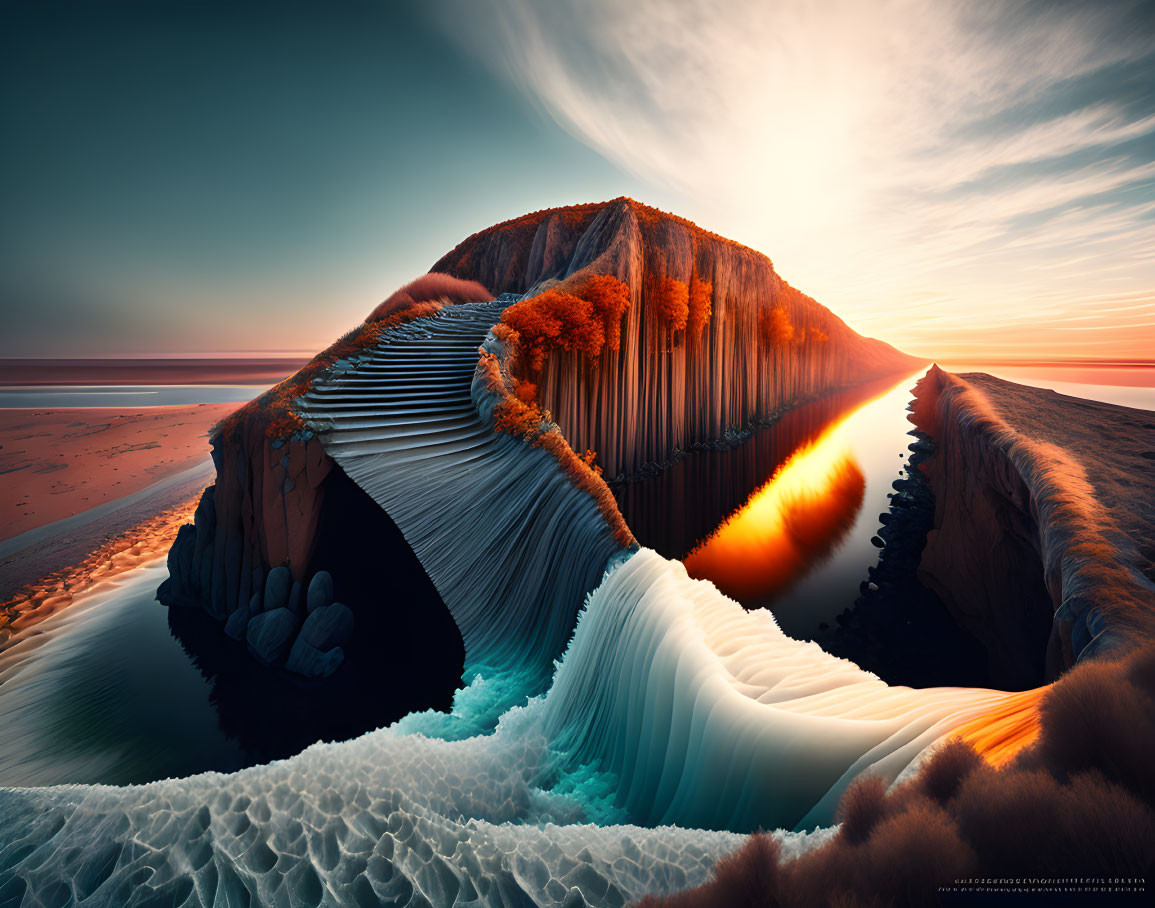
(1042, 541)
(712, 341)
(511, 543)
(758, 347)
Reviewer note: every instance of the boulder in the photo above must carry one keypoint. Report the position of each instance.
(297, 599)
(313, 663)
(238, 623)
(277, 587)
(320, 591)
(270, 635)
(328, 626)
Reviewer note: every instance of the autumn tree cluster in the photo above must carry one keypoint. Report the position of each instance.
(775, 327)
(701, 306)
(672, 301)
(586, 321)
(681, 307)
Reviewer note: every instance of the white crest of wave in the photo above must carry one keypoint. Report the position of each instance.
(671, 705)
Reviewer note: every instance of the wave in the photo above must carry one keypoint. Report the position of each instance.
(672, 705)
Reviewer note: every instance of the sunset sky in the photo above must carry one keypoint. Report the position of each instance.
(964, 180)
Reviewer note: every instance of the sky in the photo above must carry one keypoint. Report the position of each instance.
(966, 181)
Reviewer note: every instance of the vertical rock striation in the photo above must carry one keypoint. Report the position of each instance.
(712, 342)
(763, 347)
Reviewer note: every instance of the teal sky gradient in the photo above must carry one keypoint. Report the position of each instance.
(963, 180)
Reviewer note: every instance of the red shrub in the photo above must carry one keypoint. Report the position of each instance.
(516, 417)
(862, 806)
(431, 287)
(672, 299)
(1077, 803)
(584, 322)
(951, 763)
(774, 324)
(701, 306)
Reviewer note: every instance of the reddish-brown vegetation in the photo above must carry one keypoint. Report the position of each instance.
(432, 287)
(775, 327)
(1076, 804)
(694, 390)
(274, 409)
(585, 321)
(515, 416)
(701, 306)
(671, 298)
(518, 414)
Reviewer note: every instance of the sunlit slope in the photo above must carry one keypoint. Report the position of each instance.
(713, 338)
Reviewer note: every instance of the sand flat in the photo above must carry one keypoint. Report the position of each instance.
(57, 463)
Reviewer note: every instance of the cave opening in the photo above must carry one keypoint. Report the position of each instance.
(406, 653)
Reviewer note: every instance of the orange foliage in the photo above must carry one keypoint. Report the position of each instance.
(588, 479)
(430, 287)
(818, 336)
(672, 299)
(523, 418)
(701, 306)
(611, 298)
(274, 409)
(774, 323)
(585, 321)
(515, 416)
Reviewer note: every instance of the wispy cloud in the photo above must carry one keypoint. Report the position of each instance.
(994, 160)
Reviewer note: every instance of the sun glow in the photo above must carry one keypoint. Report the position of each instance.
(788, 525)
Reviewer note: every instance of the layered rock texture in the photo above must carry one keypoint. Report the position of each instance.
(462, 426)
(713, 339)
(1044, 504)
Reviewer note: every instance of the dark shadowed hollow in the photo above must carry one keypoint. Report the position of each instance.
(405, 655)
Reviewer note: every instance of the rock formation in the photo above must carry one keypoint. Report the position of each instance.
(759, 347)
(679, 337)
(1041, 546)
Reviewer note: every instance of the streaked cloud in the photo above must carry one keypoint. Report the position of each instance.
(956, 177)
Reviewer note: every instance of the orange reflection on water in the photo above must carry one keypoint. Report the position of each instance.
(788, 525)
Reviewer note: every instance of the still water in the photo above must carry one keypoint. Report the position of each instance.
(103, 692)
(785, 519)
(43, 397)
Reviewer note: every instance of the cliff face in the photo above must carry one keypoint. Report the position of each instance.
(695, 338)
(1044, 512)
(762, 346)
(261, 512)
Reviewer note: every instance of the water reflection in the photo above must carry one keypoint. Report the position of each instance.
(759, 519)
(788, 527)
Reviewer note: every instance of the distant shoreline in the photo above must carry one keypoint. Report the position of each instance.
(257, 371)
